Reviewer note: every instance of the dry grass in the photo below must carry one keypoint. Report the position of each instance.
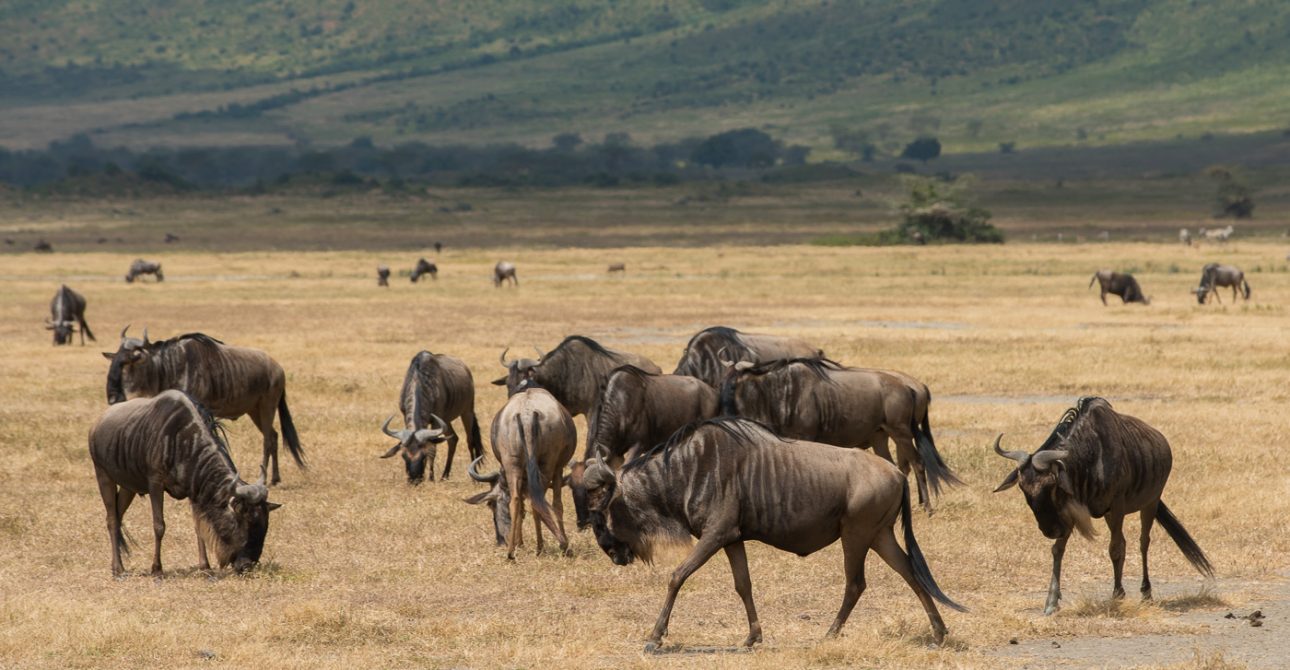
(362, 571)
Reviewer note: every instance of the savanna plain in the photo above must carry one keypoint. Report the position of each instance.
(363, 570)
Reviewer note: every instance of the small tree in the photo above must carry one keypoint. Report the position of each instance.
(939, 212)
(1233, 196)
(566, 142)
(922, 149)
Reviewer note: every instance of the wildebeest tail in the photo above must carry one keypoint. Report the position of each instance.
(1245, 288)
(937, 471)
(922, 574)
(1091, 281)
(536, 488)
(474, 443)
(85, 327)
(1182, 538)
(289, 431)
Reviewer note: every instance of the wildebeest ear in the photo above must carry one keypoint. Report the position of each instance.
(499, 382)
(478, 498)
(107, 355)
(1064, 479)
(393, 450)
(273, 506)
(1009, 481)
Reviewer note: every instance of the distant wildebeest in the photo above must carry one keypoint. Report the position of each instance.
(617, 267)
(43, 246)
(1213, 276)
(142, 267)
(383, 275)
(424, 267)
(170, 444)
(1184, 236)
(228, 381)
(636, 411)
(1099, 463)
(533, 438)
(726, 481)
(438, 248)
(170, 237)
(704, 351)
(505, 270)
(1119, 283)
(819, 400)
(66, 310)
(437, 389)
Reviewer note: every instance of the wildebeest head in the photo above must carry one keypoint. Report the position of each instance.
(415, 446)
(518, 372)
(62, 330)
(602, 490)
(497, 497)
(1044, 480)
(131, 352)
(734, 371)
(247, 517)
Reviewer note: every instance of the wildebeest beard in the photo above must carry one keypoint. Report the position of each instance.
(1075, 515)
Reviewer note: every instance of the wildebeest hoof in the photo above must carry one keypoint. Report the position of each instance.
(568, 553)
(1051, 610)
(653, 647)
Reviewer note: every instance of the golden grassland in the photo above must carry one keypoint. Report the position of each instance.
(361, 570)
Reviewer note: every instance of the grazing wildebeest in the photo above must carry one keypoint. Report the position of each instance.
(383, 275)
(424, 267)
(142, 267)
(574, 372)
(170, 238)
(1099, 463)
(170, 444)
(66, 310)
(1119, 283)
(617, 267)
(505, 270)
(229, 381)
(1184, 236)
(437, 388)
(704, 351)
(1214, 276)
(533, 438)
(726, 481)
(819, 400)
(636, 411)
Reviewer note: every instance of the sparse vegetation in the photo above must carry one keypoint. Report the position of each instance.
(1233, 197)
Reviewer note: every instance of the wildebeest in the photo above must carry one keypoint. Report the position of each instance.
(574, 372)
(438, 247)
(228, 381)
(533, 438)
(819, 400)
(1214, 276)
(704, 351)
(170, 238)
(636, 411)
(43, 246)
(505, 270)
(726, 481)
(383, 275)
(424, 267)
(66, 310)
(437, 389)
(617, 267)
(170, 444)
(142, 267)
(1099, 463)
(1119, 283)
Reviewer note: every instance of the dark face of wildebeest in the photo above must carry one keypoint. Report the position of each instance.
(250, 506)
(415, 446)
(131, 352)
(518, 372)
(62, 331)
(602, 490)
(497, 497)
(1043, 479)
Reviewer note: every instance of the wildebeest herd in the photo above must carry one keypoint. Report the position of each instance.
(1212, 276)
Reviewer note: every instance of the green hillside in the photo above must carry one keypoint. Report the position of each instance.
(973, 72)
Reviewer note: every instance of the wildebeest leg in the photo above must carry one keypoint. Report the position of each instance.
(1148, 518)
(879, 445)
(203, 562)
(1104, 296)
(1055, 584)
(452, 449)
(909, 457)
(537, 528)
(706, 548)
(896, 557)
(264, 421)
(517, 518)
(557, 506)
(743, 586)
(157, 494)
(1115, 522)
(854, 551)
(108, 491)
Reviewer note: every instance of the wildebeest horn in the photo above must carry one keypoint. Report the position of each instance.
(721, 358)
(264, 476)
(473, 471)
(145, 335)
(386, 429)
(443, 425)
(127, 327)
(1043, 459)
(502, 357)
(539, 353)
(1018, 456)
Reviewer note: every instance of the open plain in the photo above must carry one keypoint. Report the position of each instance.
(361, 570)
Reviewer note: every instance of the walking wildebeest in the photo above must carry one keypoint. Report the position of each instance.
(636, 411)
(170, 444)
(726, 481)
(142, 267)
(704, 351)
(617, 267)
(819, 400)
(1121, 284)
(1099, 463)
(66, 310)
(383, 275)
(436, 389)
(228, 381)
(1214, 276)
(533, 438)
(505, 270)
(424, 267)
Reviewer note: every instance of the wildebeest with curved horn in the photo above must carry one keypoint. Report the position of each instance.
(820, 400)
(424, 267)
(727, 481)
(1119, 283)
(503, 271)
(1214, 275)
(142, 267)
(437, 388)
(383, 275)
(533, 438)
(1099, 463)
(636, 411)
(229, 381)
(574, 372)
(704, 351)
(66, 310)
(170, 444)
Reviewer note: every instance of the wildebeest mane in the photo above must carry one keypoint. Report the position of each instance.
(216, 428)
(738, 428)
(721, 337)
(820, 366)
(1073, 422)
(587, 342)
(633, 370)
